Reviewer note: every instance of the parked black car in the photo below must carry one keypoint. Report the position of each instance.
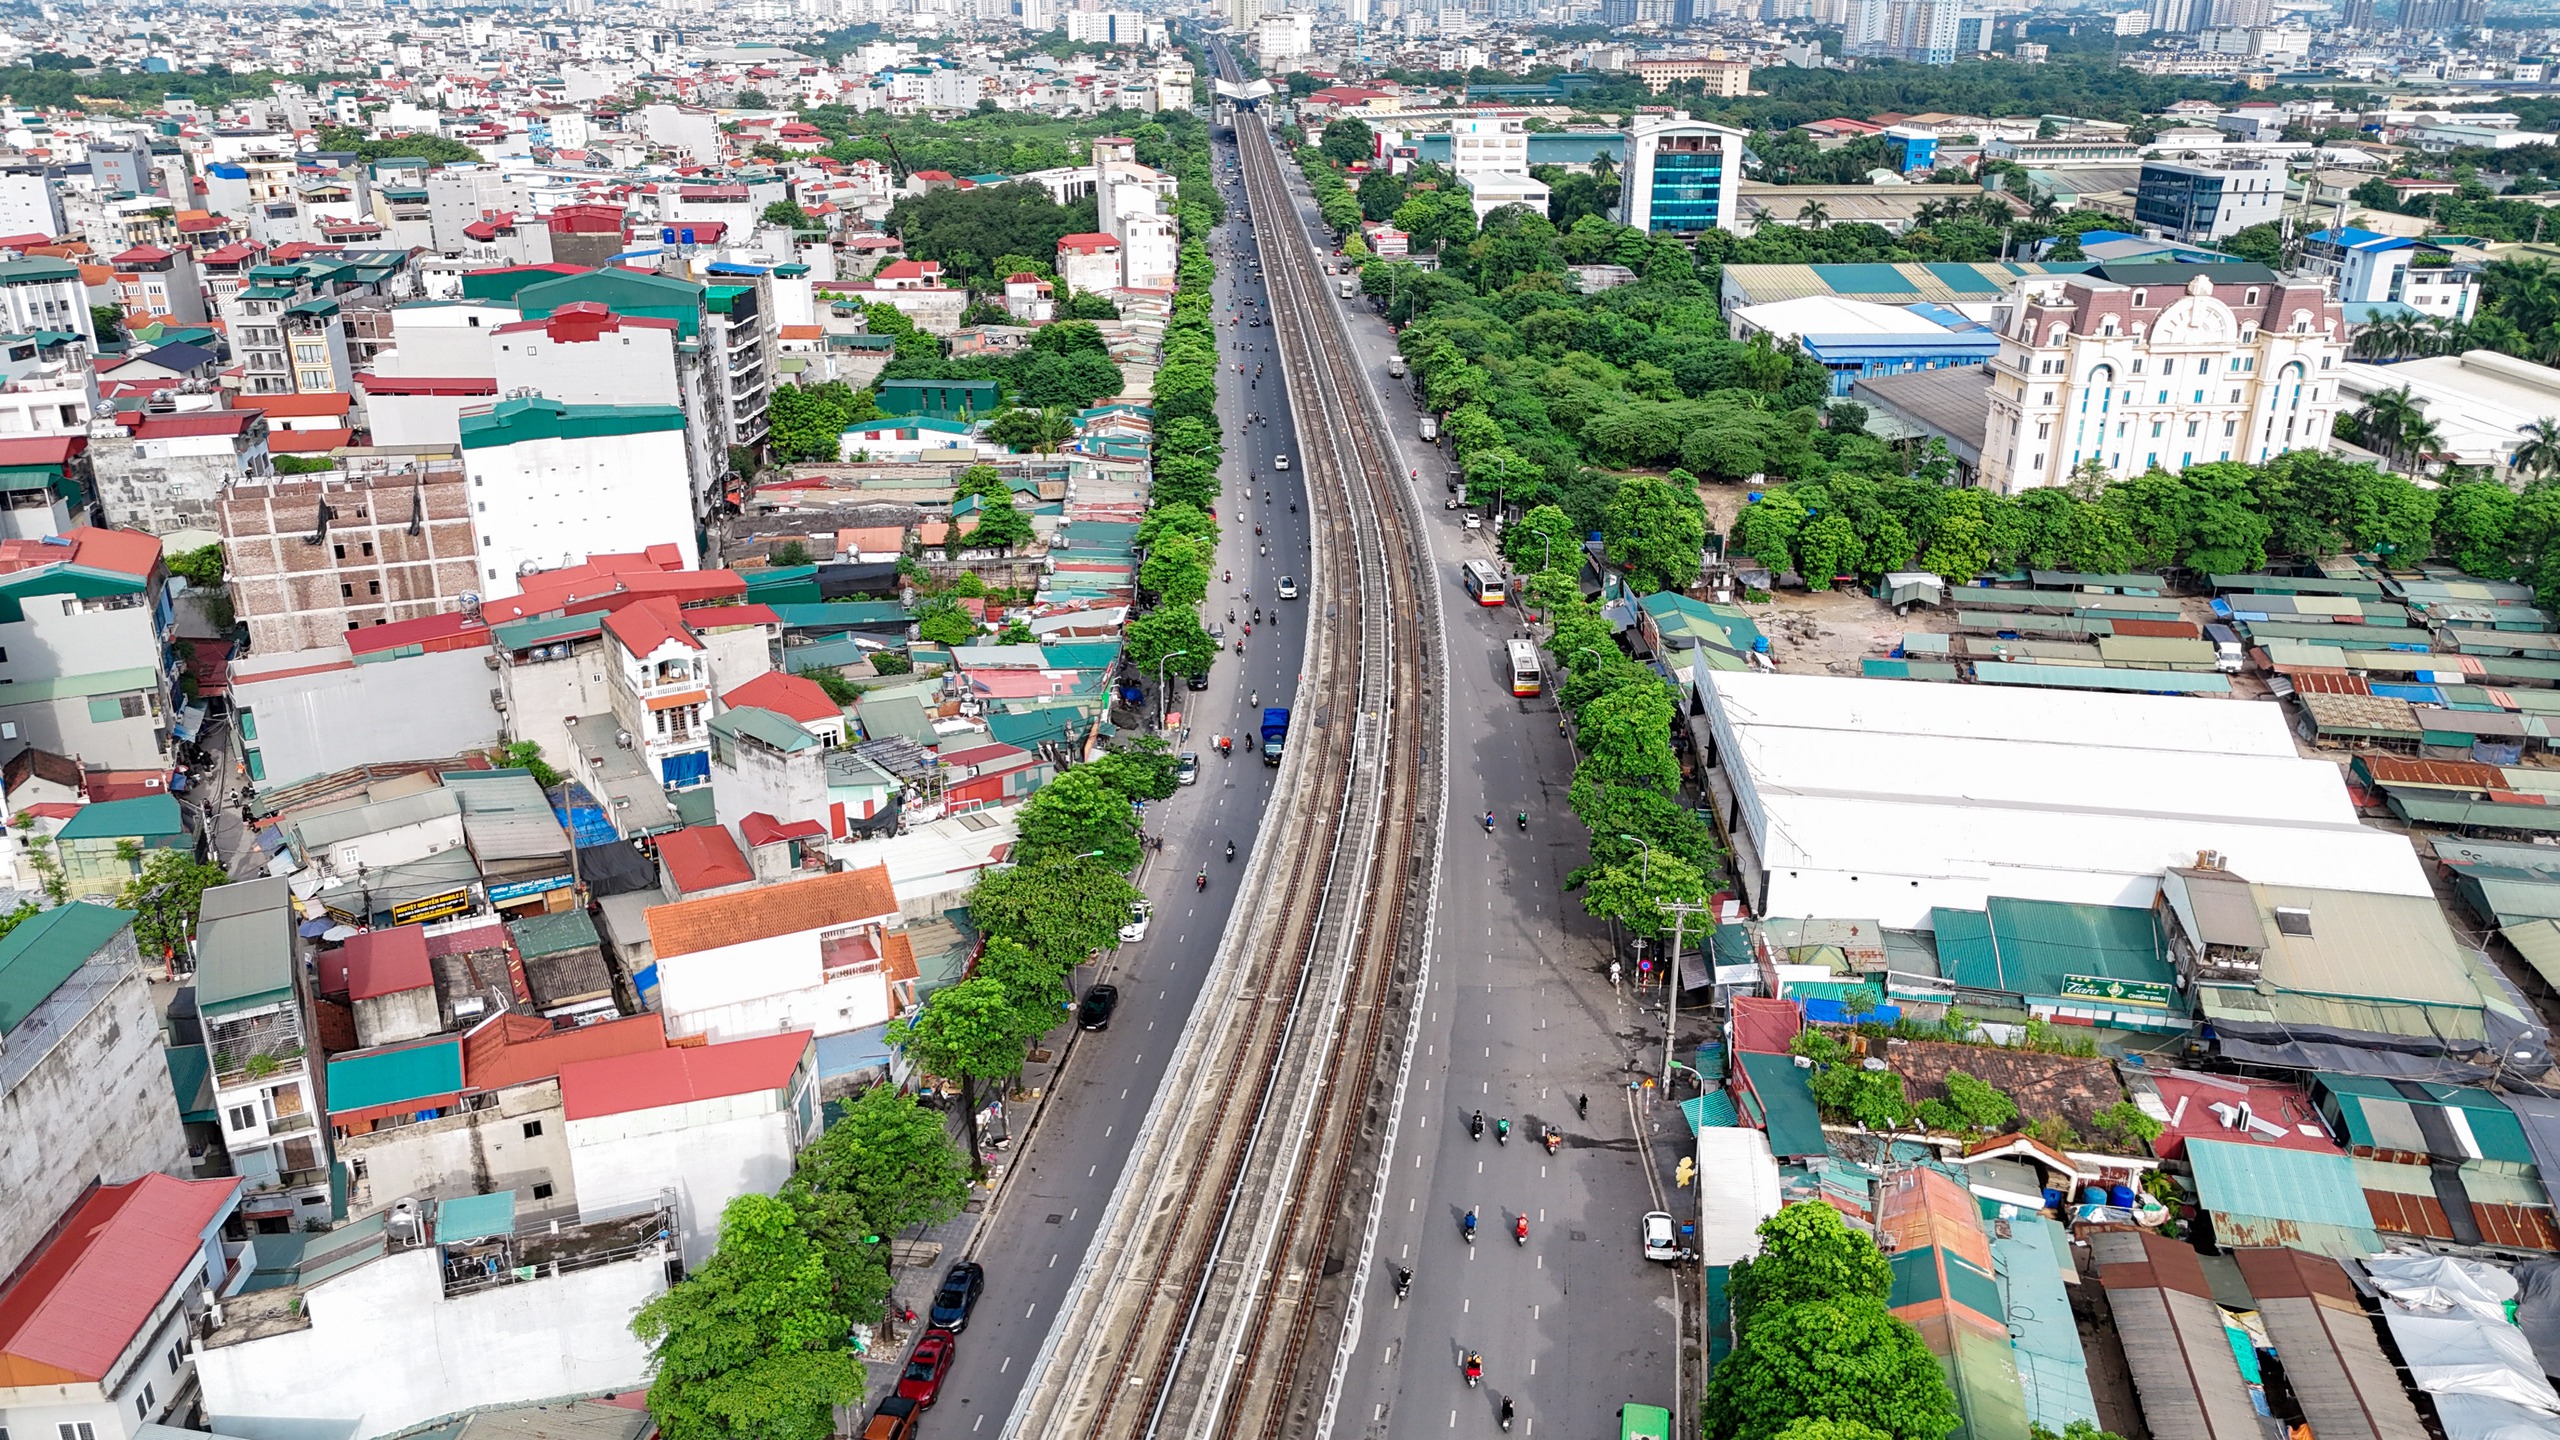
(1095, 1011)
(957, 1297)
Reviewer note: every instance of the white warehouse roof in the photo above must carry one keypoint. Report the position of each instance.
(1884, 799)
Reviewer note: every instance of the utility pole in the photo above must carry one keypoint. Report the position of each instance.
(1680, 910)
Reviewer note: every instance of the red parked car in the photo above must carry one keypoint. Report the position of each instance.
(926, 1367)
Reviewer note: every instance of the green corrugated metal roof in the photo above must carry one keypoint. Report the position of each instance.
(765, 726)
(2053, 1371)
(145, 817)
(1786, 1096)
(1713, 1110)
(532, 417)
(476, 1217)
(419, 1073)
(554, 934)
(2266, 1182)
(191, 1080)
(2492, 1125)
(2026, 947)
(2073, 677)
(1915, 1277)
(48, 948)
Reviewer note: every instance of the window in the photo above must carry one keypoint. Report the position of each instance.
(2044, 430)
(373, 587)
(2191, 428)
(2252, 297)
(2230, 428)
(142, 1403)
(2235, 396)
(2157, 428)
(2164, 398)
(2169, 366)
(2141, 298)
(532, 1129)
(368, 549)
(542, 1191)
(177, 1362)
(340, 551)
(80, 1431)
(346, 591)
(243, 1117)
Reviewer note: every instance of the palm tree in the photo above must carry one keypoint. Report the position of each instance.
(2419, 442)
(1813, 215)
(2387, 419)
(2447, 337)
(2540, 452)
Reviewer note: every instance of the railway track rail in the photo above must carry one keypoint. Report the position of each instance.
(1225, 1279)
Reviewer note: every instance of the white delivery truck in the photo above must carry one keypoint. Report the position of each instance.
(1431, 428)
(1395, 365)
(1347, 287)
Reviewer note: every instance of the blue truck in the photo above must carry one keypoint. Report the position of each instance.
(1275, 734)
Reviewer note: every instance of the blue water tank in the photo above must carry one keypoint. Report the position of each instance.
(2052, 1197)
(2094, 1195)
(2121, 1196)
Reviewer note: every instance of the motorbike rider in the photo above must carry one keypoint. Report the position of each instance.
(1231, 852)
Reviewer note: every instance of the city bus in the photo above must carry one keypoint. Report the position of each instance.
(1643, 1422)
(1525, 680)
(1484, 582)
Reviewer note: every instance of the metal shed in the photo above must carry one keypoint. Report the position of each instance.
(2347, 1387)
(2173, 1339)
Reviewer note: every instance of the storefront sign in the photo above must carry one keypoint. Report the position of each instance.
(2120, 992)
(434, 907)
(515, 890)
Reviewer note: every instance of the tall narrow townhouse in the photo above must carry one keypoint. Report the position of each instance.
(86, 667)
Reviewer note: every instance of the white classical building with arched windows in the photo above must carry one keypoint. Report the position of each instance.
(2129, 367)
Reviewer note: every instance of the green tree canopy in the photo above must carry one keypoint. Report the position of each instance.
(752, 1342)
(1656, 533)
(1064, 907)
(967, 1032)
(893, 1157)
(1078, 813)
(1845, 1359)
(165, 898)
(1807, 1253)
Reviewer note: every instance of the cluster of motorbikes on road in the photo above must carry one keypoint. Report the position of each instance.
(1473, 1361)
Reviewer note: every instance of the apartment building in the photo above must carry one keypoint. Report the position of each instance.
(1682, 176)
(310, 557)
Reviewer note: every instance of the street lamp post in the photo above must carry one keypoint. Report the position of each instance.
(1161, 697)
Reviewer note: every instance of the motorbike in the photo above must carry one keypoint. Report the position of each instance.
(1404, 1283)
(1506, 1412)
(1201, 881)
(1467, 1227)
(1475, 1369)
(1476, 1126)
(1520, 1230)
(1555, 1138)
(1524, 821)
(1231, 859)
(1488, 822)
(1582, 1107)
(1239, 647)
(1502, 1131)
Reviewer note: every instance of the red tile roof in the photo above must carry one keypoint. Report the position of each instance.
(194, 422)
(450, 631)
(386, 962)
(511, 1049)
(425, 385)
(307, 442)
(296, 406)
(643, 626)
(762, 829)
(703, 857)
(1088, 244)
(41, 449)
(690, 926)
(128, 551)
(657, 1078)
(73, 1311)
(141, 255)
(796, 696)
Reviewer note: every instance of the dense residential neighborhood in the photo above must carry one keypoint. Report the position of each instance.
(624, 630)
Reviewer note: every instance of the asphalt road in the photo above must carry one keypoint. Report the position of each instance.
(1520, 1019)
(1064, 1172)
